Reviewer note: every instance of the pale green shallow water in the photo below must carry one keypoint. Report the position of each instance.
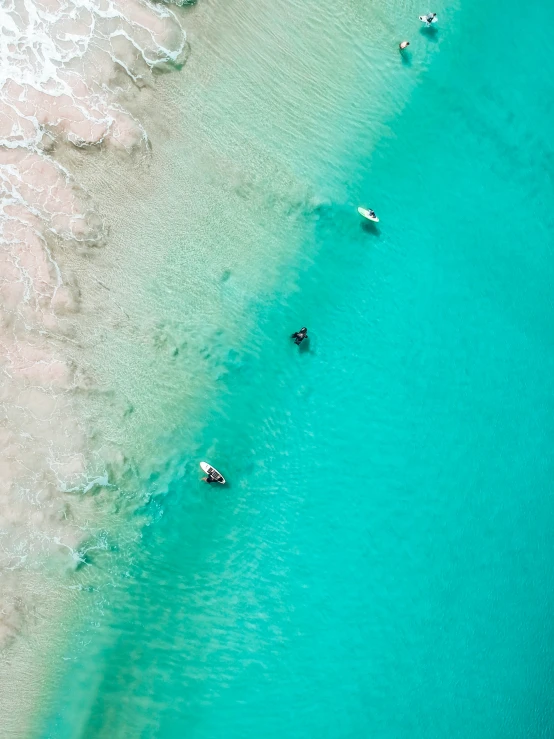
(381, 563)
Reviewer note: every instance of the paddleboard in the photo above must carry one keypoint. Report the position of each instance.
(366, 214)
(209, 470)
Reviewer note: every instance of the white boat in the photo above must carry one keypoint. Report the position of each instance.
(428, 19)
(369, 214)
(212, 472)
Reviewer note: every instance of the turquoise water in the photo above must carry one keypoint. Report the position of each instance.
(381, 562)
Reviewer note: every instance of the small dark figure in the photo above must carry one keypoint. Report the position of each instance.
(299, 336)
(213, 477)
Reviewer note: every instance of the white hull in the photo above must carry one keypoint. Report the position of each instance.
(208, 469)
(366, 214)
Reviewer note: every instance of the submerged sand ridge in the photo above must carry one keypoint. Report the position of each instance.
(64, 65)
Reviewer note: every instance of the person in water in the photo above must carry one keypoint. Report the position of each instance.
(299, 336)
(212, 477)
(403, 45)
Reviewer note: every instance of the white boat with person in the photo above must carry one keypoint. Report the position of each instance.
(212, 475)
(369, 214)
(429, 19)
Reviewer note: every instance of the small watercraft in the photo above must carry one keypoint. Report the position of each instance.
(369, 214)
(212, 473)
(429, 18)
(299, 336)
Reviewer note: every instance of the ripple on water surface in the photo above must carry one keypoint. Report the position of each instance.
(380, 561)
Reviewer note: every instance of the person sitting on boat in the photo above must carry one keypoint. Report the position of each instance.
(430, 18)
(299, 336)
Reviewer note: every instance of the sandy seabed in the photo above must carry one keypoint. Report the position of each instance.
(65, 68)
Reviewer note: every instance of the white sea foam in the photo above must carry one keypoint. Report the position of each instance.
(63, 67)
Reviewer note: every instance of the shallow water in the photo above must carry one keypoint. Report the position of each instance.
(380, 562)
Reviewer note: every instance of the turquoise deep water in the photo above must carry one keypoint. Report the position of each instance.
(381, 562)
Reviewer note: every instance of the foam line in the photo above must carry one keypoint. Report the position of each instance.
(60, 85)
